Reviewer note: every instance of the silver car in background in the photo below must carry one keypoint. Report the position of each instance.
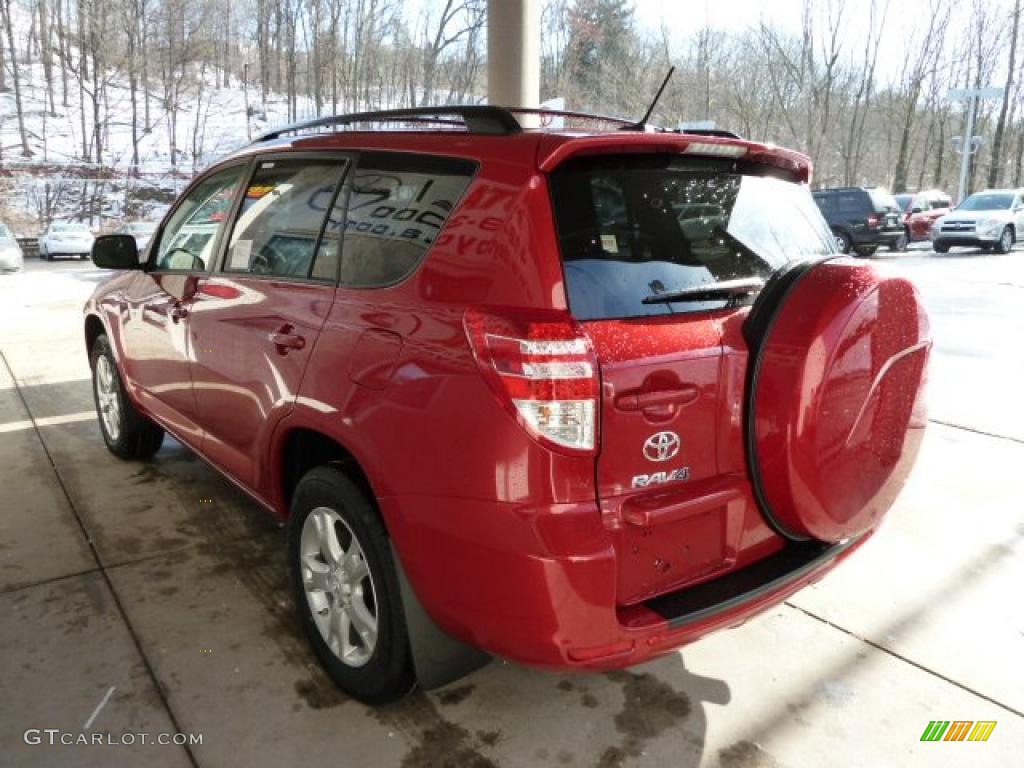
(66, 238)
(11, 257)
(992, 220)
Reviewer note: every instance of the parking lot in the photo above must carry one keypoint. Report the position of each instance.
(152, 597)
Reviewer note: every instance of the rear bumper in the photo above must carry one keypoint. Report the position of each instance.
(881, 237)
(539, 587)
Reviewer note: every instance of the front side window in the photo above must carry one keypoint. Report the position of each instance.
(635, 228)
(188, 238)
(396, 206)
(280, 220)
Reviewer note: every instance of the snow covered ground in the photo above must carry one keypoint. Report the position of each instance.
(55, 181)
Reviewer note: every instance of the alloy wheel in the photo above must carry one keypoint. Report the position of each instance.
(339, 587)
(108, 399)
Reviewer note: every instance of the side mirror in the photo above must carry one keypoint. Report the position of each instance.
(915, 209)
(116, 252)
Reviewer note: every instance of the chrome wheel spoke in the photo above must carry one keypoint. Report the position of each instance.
(364, 622)
(338, 632)
(355, 565)
(330, 547)
(315, 575)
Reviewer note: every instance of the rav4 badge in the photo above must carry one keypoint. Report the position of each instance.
(656, 478)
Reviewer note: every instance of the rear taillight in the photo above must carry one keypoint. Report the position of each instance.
(873, 221)
(544, 372)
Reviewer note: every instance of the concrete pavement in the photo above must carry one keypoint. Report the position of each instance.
(160, 581)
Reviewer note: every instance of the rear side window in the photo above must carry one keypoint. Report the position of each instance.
(396, 206)
(634, 228)
(851, 202)
(281, 216)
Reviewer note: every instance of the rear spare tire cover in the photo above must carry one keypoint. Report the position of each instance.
(836, 407)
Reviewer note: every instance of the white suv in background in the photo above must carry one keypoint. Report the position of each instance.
(990, 220)
(10, 252)
(66, 238)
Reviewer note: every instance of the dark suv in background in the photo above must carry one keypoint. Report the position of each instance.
(862, 219)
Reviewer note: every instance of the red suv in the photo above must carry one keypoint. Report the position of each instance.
(573, 398)
(921, 210)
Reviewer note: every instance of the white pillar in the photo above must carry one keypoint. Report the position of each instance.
(513, 53)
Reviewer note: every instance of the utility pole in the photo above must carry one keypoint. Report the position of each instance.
(968, 147)
(513, 55)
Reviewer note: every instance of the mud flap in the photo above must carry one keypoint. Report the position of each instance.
(439, 658)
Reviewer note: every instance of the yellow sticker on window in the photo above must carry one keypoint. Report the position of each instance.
(609, 243)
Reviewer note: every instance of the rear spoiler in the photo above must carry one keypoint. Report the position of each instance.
(556, 149)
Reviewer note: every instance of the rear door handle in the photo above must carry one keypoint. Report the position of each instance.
(639, 401)
(285, 339)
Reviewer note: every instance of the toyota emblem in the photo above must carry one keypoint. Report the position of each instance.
(661, 446)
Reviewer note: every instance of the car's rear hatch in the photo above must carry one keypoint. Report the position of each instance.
(888, 214)
(638, 232)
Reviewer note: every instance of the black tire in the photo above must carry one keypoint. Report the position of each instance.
(43, 255)
(136, 436)
(1005, 243)
(386, 672)
(901, 243)
(865, 250)
(940, 247)
(842, 241)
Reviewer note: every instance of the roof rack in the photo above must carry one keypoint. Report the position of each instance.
(568, 114)
(478, 118)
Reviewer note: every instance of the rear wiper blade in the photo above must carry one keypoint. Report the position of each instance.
(726, 289)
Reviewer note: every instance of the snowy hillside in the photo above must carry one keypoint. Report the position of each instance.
(54, 181)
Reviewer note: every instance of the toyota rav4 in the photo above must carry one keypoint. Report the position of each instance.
(570, 397)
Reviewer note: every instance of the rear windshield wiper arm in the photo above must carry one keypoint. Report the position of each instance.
(726, 289)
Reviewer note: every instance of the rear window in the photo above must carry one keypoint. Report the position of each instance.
(395, 208)
(883, 201)
(633, 228)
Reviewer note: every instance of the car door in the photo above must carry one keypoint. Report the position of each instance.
(156, 302)
(1018, 216)
(255, 320)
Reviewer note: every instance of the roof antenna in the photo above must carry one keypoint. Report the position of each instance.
(640, 124)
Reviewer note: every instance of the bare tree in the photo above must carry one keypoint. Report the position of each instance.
(8, 24)
(995, 162)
